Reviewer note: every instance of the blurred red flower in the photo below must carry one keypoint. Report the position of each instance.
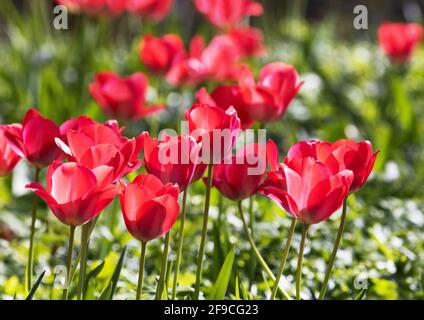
(122, 98)
(153, 9)
(227, 13)
(159, 54)
(95, 7)
(399, 40)
(149, 207)
(8, 157)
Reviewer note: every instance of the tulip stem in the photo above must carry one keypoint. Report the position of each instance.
(141, 269)
(204, 232)
(83, 260)
(300, 261)
(161, 282)
(30, 266)
(179, 245)
(252, 231)
(69, 262)
(284, 258)
(334, 252)
(259, 257)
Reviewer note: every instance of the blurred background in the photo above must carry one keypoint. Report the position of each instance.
(351, 90)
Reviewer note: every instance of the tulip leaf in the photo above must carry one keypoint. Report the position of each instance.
(361, 295)
(115, 276)
(220, 287)
(35, 286)
(237, 289)
(92, 274)
(106, 293)
(244, 293)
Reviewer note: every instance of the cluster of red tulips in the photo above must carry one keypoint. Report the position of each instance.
(87, 162)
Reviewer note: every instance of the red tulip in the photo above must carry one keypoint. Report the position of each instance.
(35, 142)
(75, 193)
(95, 7)
(249, 40)
(226, 13)
(225, 97)
(217, 61)
(149, 207)
(8, 157)
(399, 40)
(173, 159)
(98, 146)
(307, 189)
(215, 128)
(153, 9)
(357, 157)
(269, 99)
(122, 98)
(241, 178)
(160, 53)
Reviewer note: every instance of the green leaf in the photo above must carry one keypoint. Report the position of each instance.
(237, 289)
(36, 285)
(220, 287)
(115, 276)
(244, 294)
(361, 295)
(92, 274)
(106, 292)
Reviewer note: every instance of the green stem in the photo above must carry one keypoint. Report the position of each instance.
(300, 261)
(259, 257)
(161, 282)
(204, 232)
(284, 258)
(83, 261)
(30, 266)
(334, 252)
(252, 231)
(141, 269)
(69, 262)
(179, 246)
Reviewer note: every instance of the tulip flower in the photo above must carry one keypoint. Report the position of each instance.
(76, 194)
(150, 209)
(249, 40)
(309, 191)
(159, 54)
(338, 156)
(35, 142)
(358, 157)
(227, 13)
(241, 177)
(216, 128)
(153, 9)
(270, 98)
(96, 7)
(226, 96)
(172, 159)
(122, 98)
(217, 61)
(399, 40)
(8, 158)
(206, 124)
(100, 146)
